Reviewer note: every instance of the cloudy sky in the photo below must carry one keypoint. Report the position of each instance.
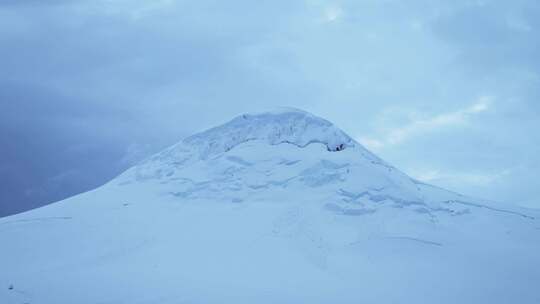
(448, 91)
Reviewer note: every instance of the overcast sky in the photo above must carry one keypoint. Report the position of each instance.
(447, 91)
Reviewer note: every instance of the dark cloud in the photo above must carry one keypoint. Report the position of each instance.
(49, 149)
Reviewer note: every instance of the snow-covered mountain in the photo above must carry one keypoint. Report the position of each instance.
(278, 207)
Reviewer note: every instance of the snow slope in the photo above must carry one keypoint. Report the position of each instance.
(278, 207)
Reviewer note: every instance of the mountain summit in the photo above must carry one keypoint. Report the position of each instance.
(276, 207)
(287, 126)
(283, 126)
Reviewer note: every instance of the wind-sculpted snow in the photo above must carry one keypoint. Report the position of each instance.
(279, 207)
(291, 127)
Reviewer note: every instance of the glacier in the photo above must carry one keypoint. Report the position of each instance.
(273, 207)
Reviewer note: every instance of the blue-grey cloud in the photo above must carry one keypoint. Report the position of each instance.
(89, 87)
